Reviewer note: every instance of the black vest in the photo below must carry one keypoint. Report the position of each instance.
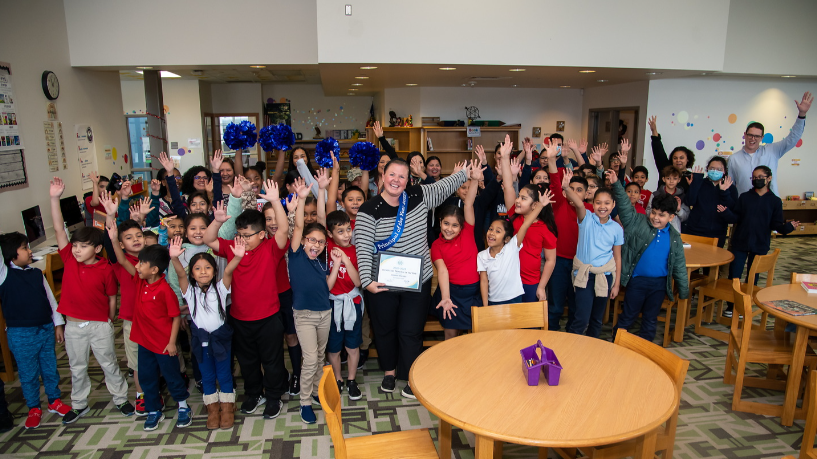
(24, 299)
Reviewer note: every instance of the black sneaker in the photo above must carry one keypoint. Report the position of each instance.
(126, 409)
(388, 384)
(728, 311)
(130, 372)
(353, 390)
(272, 410)
(6, 422)
(252, 403)
(199, 387)
(364, 356)
(74, 414)
(406, 392)
(294, 385)
(340, 386)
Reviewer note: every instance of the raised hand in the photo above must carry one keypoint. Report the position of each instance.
(144, 207)
(516, 167)
(653, 127)
(335, 165)
(476, 170)
(216, 160)
(239, 247)
(568, 174)
(507, 146)
(113, 231)
(220, 212)
(527, 147)
(583, 146)
(322, 178)
(106, 199)
(292, 204)
(94, 177)
(595, 155)
(270, 191)
(622, 157)
(417, 167)
(57, 187)
(378, 131)
(301, 190)
(546, 198)
(175, 247)
(459, 166)
(604, 148)
(552, 150)
(726, 183)
(480, 152)
(572, 145)
(804, 104)
(236, 189)
(166, 162)
(125, 191)
(155, 187)
(611, 176)
(624, 147)
(448, 308)
(246, 185)
(209, 186)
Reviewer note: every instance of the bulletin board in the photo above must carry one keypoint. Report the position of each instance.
(12, 156)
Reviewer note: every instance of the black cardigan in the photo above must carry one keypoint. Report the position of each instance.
(756, 217)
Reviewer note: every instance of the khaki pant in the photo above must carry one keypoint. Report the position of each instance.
(131, 348)
(81, 337)
(313, 333)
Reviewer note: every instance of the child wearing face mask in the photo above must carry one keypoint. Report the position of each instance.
(707, 190)
(671, 177)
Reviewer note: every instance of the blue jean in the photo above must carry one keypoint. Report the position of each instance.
(644, 295)
(560, 291)
(150, 365)
(590, 308)
(33, 349)
(212, 370)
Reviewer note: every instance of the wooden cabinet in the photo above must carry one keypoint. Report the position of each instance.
(803, 211)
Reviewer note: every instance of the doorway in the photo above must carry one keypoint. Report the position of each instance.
(611, 125)
(139, 146)
(216, 123)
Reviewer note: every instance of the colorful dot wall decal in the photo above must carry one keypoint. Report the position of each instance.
(716, 137)
(768, 138)
(114, 154)
(182, 152)
(733, 118)
(683, 117)
(700, 145)
(799, 143)
(125, 157)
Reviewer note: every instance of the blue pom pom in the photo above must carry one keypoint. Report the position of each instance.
(276, 137)
(324, 151)
(240, 136)
(364, 155)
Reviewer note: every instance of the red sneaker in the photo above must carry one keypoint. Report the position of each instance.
(34, 417)
(59, 408)
(139, 403)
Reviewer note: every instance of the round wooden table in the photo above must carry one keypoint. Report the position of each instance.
(794, 292)
(606, 393)
(699, 256)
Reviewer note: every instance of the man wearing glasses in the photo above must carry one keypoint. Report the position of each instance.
(753, 154)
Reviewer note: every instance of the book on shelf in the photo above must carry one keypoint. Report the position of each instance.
(791, 307)
(810, 287)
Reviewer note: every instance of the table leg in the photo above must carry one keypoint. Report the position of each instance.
(680, 320)
(445, 439)
(484, 447)
(795, 373)
(645, 446)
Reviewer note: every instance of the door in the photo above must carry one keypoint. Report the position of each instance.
(217, 123)
(139, 146)
(611, 125)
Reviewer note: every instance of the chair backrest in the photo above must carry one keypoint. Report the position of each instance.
(699, 239)
(510, 316)
(330, 403)
(807, 447)
(53, 262)
(762, 264)
(796, 278)
(744, 312)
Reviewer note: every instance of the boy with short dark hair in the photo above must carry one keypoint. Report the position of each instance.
(653, 256)
(88, 300)
(33, 325)
(633, 190)
(156, 319)
(347, 302)
(671, 176)
(640, 176)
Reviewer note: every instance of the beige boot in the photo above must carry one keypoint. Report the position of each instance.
(227, 409)
(213, 407)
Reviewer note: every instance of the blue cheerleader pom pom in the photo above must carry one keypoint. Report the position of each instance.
(240, 136)
(364, 155)
(324, 151)
(276, 137)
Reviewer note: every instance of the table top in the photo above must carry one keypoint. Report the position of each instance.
(794, 292)
(703, 256)
(606, 393)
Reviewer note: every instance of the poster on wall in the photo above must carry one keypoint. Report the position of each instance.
(51, 148)
(12, 158)
(87, 153)
(62, 145)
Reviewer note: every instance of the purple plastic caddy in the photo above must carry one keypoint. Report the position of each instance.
(545, 360)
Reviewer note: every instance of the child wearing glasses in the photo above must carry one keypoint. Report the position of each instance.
(258, 330)
(309, 276)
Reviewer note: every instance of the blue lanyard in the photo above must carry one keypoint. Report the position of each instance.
(399, 224)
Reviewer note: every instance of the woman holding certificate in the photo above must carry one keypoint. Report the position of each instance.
(395, 264)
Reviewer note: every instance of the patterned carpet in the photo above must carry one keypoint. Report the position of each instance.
(707, 427)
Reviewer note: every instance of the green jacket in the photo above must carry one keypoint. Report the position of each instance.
(638, 233)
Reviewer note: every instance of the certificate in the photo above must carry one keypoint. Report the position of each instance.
(400, 271)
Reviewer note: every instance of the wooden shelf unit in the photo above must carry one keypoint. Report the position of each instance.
(803, 211)
(408, 138)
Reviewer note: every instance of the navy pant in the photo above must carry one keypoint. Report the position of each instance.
(150, 365)
(530, 293)
(212, 370)
(4, 405)
(560, 292)
(644, 296)
(736, 268)
(193, 361)
(590, 308)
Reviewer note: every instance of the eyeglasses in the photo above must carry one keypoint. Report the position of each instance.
(247, 236)
(752, 136)
(312, 240)
(200, 178)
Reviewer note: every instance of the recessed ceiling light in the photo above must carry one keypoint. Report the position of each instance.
(516, 70)
(368, 68)
(514, 86)
(587, 71)
(350, 94)
(353, 89)
(258, 66)
(411, 84)
(787, 76)
(163, 74)
(704, 73)
(357, 84)
(565, 86)
(654, 73)
(362, 77)
(144, 68)
(602, 81)
(448, 68)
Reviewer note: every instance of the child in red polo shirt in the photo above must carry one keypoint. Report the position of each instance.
(258, 331)
(156, 319)
(88, 300)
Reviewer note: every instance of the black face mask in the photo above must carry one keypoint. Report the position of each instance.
(758, 183)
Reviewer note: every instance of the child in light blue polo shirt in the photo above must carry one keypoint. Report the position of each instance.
(598, 256)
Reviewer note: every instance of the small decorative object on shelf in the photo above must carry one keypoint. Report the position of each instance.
(317, 133)
(410, 122)
(240, 136)
(394, 121)
(471, 113)
(276, 137)
(324, 151)
(544, 361)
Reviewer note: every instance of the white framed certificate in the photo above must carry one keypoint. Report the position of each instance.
(400, 271)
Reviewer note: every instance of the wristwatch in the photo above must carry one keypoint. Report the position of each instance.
(801, 117)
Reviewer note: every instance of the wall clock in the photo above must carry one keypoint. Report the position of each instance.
(51, 85)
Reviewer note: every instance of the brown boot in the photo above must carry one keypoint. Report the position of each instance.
(227, 409)
(213, 407)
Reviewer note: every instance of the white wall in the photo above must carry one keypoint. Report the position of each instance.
(617, 96)
(669, 34)
(86, 97)
(706, 103)
(204, 32)
(345, 112)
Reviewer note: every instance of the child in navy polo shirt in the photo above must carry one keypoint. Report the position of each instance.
(33, 325)
(88, 300)
(156, 319)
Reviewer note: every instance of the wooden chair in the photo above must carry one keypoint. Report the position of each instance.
(807, 447)
(53, 274)
(756, 346)
(406, 444)
(510, 316)
(676, 368)
(721, 290)
(432, 325)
